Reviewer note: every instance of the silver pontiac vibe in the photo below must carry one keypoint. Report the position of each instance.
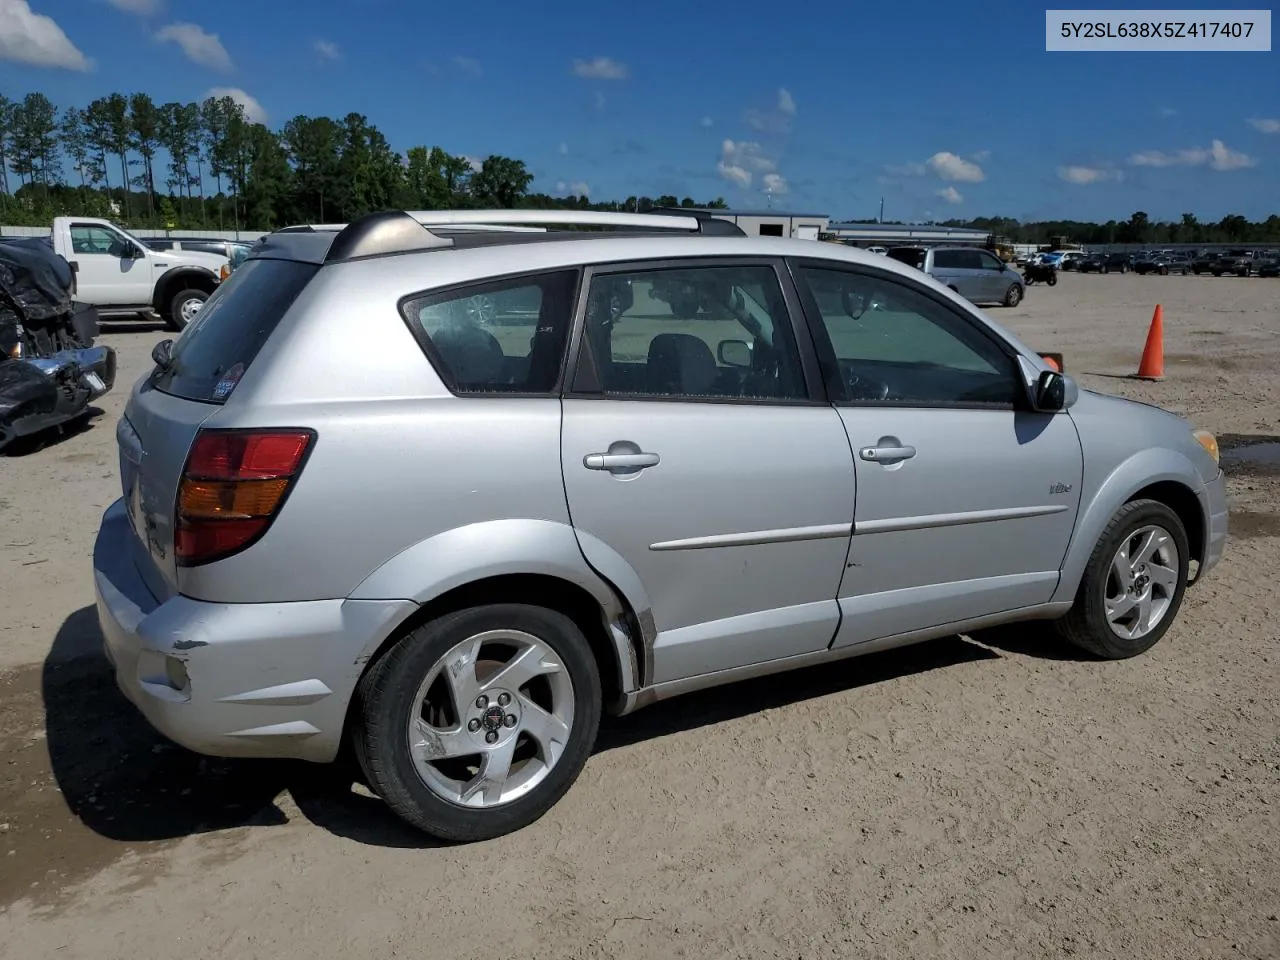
(448, 485)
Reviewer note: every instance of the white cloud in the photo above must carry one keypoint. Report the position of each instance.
(948, 166)
(776, 119)
(1223, 158)
(142, 7)
(740, 161)
(253, 111)
(200, 47)
(1265, 125)
(576, 188)
(905, 169)
(775, 183)
(1218, 156)
(562, 149)
(36, 40)
(475, 163)
(706, 123)
(327, 49)
(982, 156)
(1078, 173)
(468, 65)
(601, 68)
(951, 195)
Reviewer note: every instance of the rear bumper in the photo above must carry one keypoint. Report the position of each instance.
(234, 680)
(1216, 532)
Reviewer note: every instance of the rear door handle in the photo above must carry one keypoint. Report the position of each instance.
(881, 454)
(620, 461)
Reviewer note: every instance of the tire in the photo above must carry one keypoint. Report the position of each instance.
(180, 312)
(457, 805)
(1013, 296)
(1087, 625)
(1164, 271)
(1052, 279)
(1106, 269)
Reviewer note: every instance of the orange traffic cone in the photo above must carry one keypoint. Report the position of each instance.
(1152, 365)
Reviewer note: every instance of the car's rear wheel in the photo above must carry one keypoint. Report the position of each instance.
(1133, 584)
(475, 724)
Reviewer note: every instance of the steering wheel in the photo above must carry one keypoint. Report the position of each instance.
(865, 388)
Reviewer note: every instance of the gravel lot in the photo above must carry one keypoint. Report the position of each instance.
(982, 796)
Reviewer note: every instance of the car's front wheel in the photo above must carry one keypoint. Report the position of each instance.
(1133, 584)
(1013, 296)
(475, 724)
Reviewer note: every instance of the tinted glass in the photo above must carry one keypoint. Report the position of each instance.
(894, 344)
(911, 256)
(91, 239)
(507, 336)
(217, 347)
(947, 260)
(715, 332)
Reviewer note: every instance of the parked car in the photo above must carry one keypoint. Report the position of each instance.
(121, 276)
(1104, 263)
(458, 545)
(234, 250)
(1070, 259)
(976, 274)
(1203, 262)
(1165, 264)
(1236, 262)
(1268, 267)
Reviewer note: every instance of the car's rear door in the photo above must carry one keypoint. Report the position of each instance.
(966, 499)
(700, 459)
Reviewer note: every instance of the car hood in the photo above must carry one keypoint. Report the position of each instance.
(190, 258)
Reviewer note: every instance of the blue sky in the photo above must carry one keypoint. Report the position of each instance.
(944, 109)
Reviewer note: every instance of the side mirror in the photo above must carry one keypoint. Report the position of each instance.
(1051, 392)
(162, 353)
(734, 353)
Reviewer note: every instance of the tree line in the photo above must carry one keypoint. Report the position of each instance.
(203, 165)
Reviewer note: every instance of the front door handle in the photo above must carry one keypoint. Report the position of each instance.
(620, 461)
(881, 454)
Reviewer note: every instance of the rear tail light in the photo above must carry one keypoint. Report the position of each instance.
(233, 486)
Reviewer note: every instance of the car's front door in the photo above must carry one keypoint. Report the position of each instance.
(995, 277)
(106, 274)
(966, 498)
(697, 460)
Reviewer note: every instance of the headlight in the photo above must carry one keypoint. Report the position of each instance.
(1208, 441)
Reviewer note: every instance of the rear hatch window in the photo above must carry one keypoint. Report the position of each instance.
(217, 347)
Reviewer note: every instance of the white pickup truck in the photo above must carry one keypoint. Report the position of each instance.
(120, 275)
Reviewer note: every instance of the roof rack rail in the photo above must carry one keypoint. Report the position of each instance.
(591, 218)
(402, 231)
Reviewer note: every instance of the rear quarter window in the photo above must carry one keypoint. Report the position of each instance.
(217, 347)
(499, 337)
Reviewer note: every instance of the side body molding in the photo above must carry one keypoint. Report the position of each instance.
(1101, 500)
(494, 548)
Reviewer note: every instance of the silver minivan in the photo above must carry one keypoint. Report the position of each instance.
(976, 274)
(570, 472)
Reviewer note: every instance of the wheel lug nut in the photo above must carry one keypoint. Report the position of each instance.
(509, 720)
(504, 699)
(491, 736)
(482, 701)
(473, 726)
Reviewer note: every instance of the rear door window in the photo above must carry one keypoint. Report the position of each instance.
(217, 347)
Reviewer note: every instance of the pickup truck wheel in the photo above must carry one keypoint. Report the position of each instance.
(476, 724)
(184, 307)
(1133, 584)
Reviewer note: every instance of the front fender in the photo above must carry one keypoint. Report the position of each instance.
(174, 280)
(1142, 469)
(494, 548)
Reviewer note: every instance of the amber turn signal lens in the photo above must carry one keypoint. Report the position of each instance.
(231, 500)
(1209, 442)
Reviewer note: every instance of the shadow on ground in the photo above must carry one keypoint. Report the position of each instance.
(82, 422)
(127, 783)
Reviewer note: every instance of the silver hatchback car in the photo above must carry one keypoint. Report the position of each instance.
(977, 275)
(446, 486)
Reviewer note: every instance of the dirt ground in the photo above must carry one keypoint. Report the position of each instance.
(992, 796)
